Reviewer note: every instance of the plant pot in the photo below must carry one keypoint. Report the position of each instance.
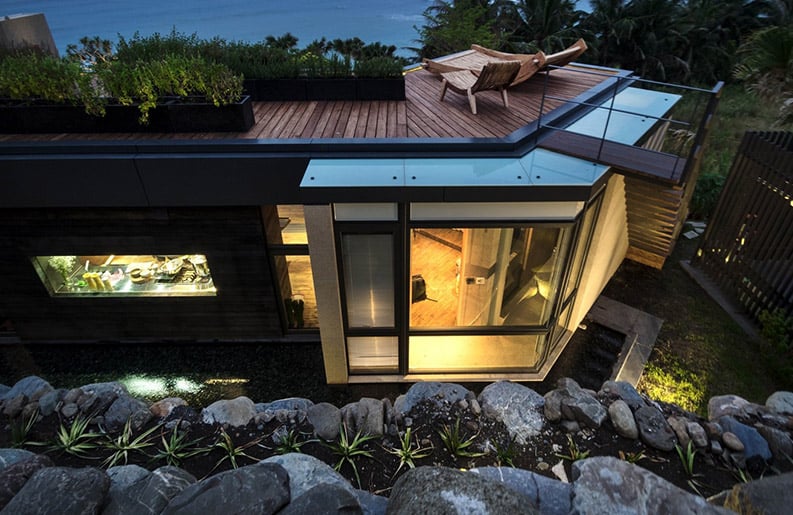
(280, 89)
(380, 89)
(331, 89)
(204, 117)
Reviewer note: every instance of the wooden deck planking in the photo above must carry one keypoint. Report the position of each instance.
(421, 115)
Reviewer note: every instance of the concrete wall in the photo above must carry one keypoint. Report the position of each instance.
(608, 248)
(319, 227)
(26, 31)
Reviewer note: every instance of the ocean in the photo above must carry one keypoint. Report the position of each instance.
(387, 21)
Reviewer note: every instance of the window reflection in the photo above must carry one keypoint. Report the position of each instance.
(491, 276)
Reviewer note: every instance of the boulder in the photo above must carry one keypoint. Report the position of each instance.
(306, 472)
(288, 404)
(622, 419)
(781, 402)
(10, 456)
(610, 485)
(729, 405)
(48, 402)
(324, 499)
(584, 409)
(521, 409)
(680, 426)
(326, 419)
(441, 490)
(732, 442)
(545, 495)
(779, 442)
(234, 412)
(654, 430)
(365, 416)
(553, 405)
(697, 434)
(127, 408)
(162, 408)
(61, 490)
(4, 389)
(440, 394)
(624, 391)
(103, 394)
(150, 494)
(772, 494)
(122, 476)
(370, 503)
(755, 446)
(260, 489)
(14, 477)
(31, 387)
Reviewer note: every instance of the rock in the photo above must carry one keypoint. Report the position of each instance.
(234, 412)
(716, 448)
(14, 477)
(553, 406)
(12, 408)
(288, 404)
(69, 410)
(87, 402)
(697, 434)
(104, 394)
(680, 426)
(476, 408)
(371, 504)
(754, 444)
(162, 408)
(559, 471)
(728, 405)
(654, 429)
(368, 417)
(61, 490)
(732, 442)
(48, 402)
(150, 494)
(324, 499)
(570, 401)
(123, 476)
(10, 456)
(440, 490)
(326, 419)
(521, 409)
(3, 390)
(622, 419)
(713, 429)
(625, 391)
(72, 395)
(306, 472)
(263, 488)
(781, 402)
(772, 494)
(439, 394)
(127, 408)
(570, 426)
(779, 442)
(545, 495)
(32, 387)
(610, 485)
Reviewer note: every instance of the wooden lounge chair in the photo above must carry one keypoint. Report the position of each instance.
(566, 56)
(496, 75)
(477, 57)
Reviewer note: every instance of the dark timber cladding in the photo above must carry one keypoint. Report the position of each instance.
(748, 246)
(231, 238)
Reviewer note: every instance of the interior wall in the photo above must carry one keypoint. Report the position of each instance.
(607, 250)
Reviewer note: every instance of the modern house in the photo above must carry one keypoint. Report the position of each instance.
(414, 239)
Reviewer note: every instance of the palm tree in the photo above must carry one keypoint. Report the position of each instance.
(547, 25)
(766, 62)
(607, 27)
(452, 26)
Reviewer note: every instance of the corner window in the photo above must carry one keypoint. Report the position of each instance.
(368, 263)
(494, 276)
(170, 275)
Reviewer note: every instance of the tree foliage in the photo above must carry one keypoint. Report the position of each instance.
(690, 41)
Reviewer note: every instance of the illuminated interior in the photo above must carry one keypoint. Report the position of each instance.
(293, 224)
(495, 276)
(300, 301)
(170, 275)
(474, 353)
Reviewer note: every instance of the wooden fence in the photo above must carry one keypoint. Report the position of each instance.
(747, 248)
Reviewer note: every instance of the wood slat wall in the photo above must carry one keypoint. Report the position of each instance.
(748, 246)
(231, 238)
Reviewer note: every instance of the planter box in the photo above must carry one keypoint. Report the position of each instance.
(380, 89)
(169, 117)
(280, 89)
(297, 90)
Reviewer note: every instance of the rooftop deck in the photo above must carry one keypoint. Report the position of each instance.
(421, 115)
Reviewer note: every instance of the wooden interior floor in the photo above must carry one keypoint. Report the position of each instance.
(302, 282)
(437, 263)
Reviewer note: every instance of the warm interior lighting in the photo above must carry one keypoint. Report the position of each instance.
(473, 353)
(228, 380)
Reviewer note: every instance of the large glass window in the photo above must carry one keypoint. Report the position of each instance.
(475, 353)
(368, 267)
(170, 275)
(494, 276)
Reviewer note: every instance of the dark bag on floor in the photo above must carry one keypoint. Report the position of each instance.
(418, 288)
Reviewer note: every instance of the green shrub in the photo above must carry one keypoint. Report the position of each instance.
(706, 195)
(379, 67)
